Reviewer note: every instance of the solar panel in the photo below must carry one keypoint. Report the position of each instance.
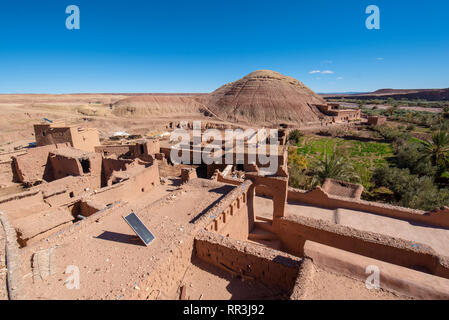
(139, 228)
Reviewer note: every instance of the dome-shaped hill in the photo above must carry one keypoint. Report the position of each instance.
(157, 105)
(265, 97)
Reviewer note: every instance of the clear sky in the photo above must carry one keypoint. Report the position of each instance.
(196, 45)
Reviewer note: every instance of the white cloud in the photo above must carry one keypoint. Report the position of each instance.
(379, 59)
(322, 72)
(340, 78)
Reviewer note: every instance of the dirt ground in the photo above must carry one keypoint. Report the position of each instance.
(20, 112)
(204, 281)
(325, 285)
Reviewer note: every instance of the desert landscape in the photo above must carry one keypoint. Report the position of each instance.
(360, 189)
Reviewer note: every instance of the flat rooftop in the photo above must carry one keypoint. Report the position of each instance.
(111, 259)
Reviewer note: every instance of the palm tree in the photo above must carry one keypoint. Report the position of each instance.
(335, 167)
(437, 148)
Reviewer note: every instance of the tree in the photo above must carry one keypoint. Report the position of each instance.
(334, 167)
(437, 148)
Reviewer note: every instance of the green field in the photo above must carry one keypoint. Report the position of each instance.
(364, 156)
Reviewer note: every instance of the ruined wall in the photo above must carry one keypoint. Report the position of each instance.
(152, 147)
(141, 182)
(271, 267)
(110, 165)
(31, 167)
(164, 277)
(376, 121)
(188, 174)
(6, 171)
(45, 134)
(246, 158)
(63, 166)
(64, 190)
(84, 138)
(23, 204)
(118, 150)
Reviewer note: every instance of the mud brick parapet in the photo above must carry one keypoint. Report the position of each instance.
(320, 198)
(231, 216)
(250, 261)
(294, 231)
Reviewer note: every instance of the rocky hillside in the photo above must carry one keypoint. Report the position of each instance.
(265, 97)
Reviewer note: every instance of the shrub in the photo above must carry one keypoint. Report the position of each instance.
(411, 190)
(295, 136)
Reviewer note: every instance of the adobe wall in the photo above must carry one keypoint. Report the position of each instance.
(219, 219)
(277, 187)
(164, 277)
(376, 121)
(84, 138)
(188, 174)
(7, 171)
(45, 134)
(229, 180)
(234, 220)
(64, 190)
(23, 204)
(110, 165)
(31, 167)
(346, 115)
(320, 198)
(294, 231)
(118, 150)
(142, 182)
(152, 147)
(241, 258)
(246, 157)
(63, 166)
(394, 278)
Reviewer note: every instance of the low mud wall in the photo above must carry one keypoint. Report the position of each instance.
(394, 278)
(231, 217)
(294, 231)
(320, 198)
(119, 150)
(233, 221)
(241, 258)
(21, 204)
(110, 165)
(136, 185)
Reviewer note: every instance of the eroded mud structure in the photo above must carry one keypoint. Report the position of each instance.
(221, 231)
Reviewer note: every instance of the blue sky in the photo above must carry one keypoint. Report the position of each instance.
(196, 45)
